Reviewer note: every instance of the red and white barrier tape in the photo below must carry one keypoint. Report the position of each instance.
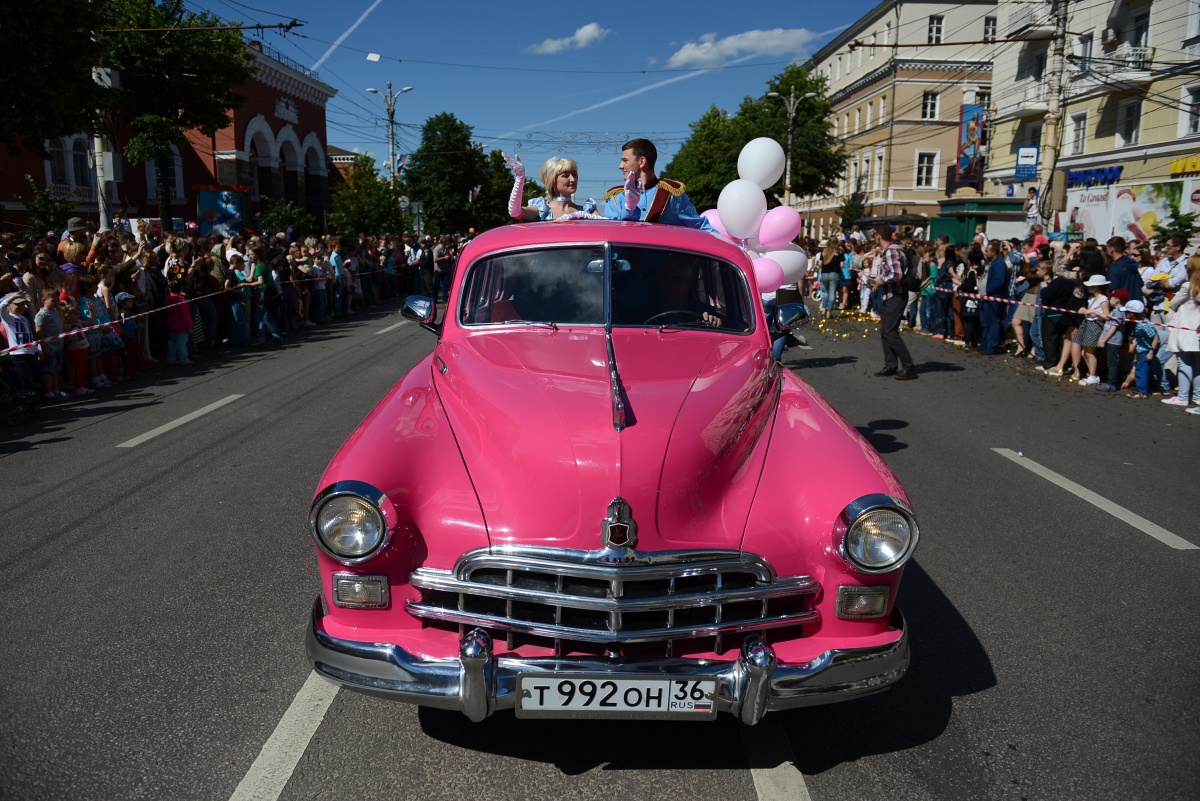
(1012, 302)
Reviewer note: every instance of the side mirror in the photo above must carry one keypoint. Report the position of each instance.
(422, 310)
(791, 315)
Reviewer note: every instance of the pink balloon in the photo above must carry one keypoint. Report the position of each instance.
(779, 227)
(769, 275)
(714, 220)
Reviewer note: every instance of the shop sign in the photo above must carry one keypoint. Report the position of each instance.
(1185, 164)
(1027, 162)
(1097, 175)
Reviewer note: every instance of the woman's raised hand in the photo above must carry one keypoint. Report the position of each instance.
(514, 164)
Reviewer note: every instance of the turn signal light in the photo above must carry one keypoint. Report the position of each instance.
(859, 602)
(364, 592)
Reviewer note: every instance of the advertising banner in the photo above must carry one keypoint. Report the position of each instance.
(968, 166)
(220, 211)
(1137, 209)
(1088, 214)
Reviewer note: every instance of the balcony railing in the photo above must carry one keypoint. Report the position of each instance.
(80, 193)
(1129, 57)
(1034, 19)
(1027, 97)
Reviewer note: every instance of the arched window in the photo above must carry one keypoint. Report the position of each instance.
(58, 163)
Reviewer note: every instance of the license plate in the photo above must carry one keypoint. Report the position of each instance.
(547, 695)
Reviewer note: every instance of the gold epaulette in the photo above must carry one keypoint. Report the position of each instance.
(616, 190)
(675, 188)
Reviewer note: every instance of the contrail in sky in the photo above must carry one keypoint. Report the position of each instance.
(342, 38)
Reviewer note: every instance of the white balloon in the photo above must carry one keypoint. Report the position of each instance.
(792, 259)
(762, 161)
(742, 206)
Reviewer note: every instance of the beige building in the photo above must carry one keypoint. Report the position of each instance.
(1129, 143)
(898, 79)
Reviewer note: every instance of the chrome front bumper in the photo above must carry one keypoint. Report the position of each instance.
(478, 683)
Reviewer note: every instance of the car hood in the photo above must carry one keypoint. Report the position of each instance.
(532, 416)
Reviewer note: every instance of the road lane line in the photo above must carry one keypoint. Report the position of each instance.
(768, 744)
(1121, 513)
(270, 772)
(391, 327)
(187, 418)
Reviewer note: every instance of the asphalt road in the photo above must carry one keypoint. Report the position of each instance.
(155, 598)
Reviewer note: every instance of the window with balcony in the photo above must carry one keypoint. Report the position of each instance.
(926, 177)
(81, 167)
(1129, 122)
(935, 29)
(989, 29)
(1078, 133)
(929, 106)
(1083, 51)
(1139, 35)
(58, 163)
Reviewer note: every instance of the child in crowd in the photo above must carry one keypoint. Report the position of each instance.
(48, 326)
(1089, 332)
(179, 324)
(1112, 338)
(1145, 338)
(18, 334)
(76, 347)
(129, 332)
(1155, 289)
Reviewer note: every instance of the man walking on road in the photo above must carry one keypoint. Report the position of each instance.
(892, 296)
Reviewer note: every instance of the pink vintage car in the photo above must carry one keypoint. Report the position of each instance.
(600, 496)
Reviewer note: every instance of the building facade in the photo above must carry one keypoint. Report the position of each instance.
(1129, 140)
(274, 146)
(900, 79)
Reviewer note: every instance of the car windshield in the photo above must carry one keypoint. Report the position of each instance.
(566, 286)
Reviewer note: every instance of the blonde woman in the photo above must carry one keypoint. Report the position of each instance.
(560, 176)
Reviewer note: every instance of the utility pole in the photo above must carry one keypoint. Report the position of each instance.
(792, 103)
(390, 100)
(1053, 119)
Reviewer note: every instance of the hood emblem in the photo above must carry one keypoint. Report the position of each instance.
(618, 531)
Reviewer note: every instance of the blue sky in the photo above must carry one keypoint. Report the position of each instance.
(545, 80)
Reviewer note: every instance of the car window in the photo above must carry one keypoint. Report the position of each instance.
(565, 286)
(664, 287)
(546, 286)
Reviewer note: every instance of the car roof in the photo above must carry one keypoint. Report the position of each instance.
(593, 231)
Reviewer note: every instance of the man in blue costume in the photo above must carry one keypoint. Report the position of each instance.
(647, 197)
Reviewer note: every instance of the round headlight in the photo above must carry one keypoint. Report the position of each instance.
(349, 527)
(879, 539)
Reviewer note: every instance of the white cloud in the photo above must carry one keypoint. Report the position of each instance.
(584, 37)
(651, 61)
(711, 51)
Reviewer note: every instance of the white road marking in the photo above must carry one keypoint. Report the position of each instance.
(767, 743)
(270, 772)
(391, 327)
(1121, 513)
(187, 418)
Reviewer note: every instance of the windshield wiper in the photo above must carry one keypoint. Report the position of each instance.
(533, 324)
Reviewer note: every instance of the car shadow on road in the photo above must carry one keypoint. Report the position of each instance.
(818, 361)
(948, 661)
(876, 434)
(578, 746)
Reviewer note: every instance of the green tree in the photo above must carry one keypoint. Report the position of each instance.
(1178, 224)
(277, 216)
(853, 208)
(172, 81)
(46, 212)
(50, 49)
(443, 175)
(708, 160)
(365, 203)
(490, 207)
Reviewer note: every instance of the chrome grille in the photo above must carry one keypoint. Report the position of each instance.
(576, 602)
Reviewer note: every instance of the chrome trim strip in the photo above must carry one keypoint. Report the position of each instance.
(603, 637)
(368, 493)
(426, 579)
(586, 564)
(389, 671)
(868, 503)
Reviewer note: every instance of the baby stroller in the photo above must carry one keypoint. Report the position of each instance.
(18, 402)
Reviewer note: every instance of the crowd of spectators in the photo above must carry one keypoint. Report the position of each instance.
(1117, 316)
(85, 311)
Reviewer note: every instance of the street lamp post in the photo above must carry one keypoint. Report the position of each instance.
(792, 103)
(390, 100)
